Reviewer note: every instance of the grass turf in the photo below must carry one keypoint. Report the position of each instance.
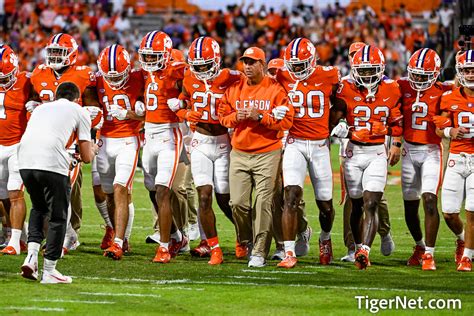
(190, 286)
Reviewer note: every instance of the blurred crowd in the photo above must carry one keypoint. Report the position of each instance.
(28, 26)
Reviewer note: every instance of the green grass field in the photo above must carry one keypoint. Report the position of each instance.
(190, 286)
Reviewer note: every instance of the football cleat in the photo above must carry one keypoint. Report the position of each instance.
(416, 257)
(279, 254)
(23, 246)
(350, 257)
(325, 252)
(302, 242)
(115, 252)
(465, 265)
(459, 250)
(10, 251)
(126, 246)
(289, 261)
(241, 250)
(217, 257)
(55, 278)
(30, 271)
(176, 246)
(362, 259)
(428, 263)
(162, 255)
(202, 250)
(108, 238)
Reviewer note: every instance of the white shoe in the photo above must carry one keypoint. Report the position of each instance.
(193, 232)
(302, 242)
(279, 254)
(257, 262)
(29, 270)
(350, 257)
(55, 278)
(387, 246)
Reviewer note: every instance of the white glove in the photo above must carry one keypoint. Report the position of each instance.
(31, 105)
(174, 104)
(118, 112)
(93, 111)
(279, 112)
(139, 108)
(341, 130)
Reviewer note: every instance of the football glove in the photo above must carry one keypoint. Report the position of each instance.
(139, 108)
(279, 112)
(31, 105)
(341, 130)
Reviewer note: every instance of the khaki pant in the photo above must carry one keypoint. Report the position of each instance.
(76, 203)
(253, 220)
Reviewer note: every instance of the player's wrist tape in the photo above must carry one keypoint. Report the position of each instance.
(447, 132)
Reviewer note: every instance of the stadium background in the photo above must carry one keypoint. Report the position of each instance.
(188, 285)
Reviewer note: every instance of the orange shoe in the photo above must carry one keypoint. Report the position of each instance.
(115, 252)
(108, 239)
(415, 259)
(325, 252)
(162, 255)
(126, 246)
(9, 250)
(465, 264)
(202, 250)
(23, 246)
(217, 257)
(240, 250)
(459, 251)
(362, 259)
(175, 246)
(289, 261)
(428, 263)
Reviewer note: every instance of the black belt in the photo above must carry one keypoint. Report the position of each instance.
(365, 144)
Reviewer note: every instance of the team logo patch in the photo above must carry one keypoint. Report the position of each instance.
(454, 107)
(195, 86)
(404, 152)
(349, 153)
(407, 95)
(100, 143)
(357, 99)
(470, 105)
(290, 140)
(44, 84)
(194, 143)
(451, 163)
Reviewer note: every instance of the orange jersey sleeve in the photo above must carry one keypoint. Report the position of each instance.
(361, 114)
(126, 97)
(310, 99)
(418, 126)
(13, 114)
(461, 110)
(45, 82)
(254, 136)
(159, 87)
(207, 101)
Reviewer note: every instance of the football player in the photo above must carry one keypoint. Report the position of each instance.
(15, 88)
(457, 123)
(310, 88)
(163, 82)
(204, 85)
(422, 154)
(371, 107)
(120, 92)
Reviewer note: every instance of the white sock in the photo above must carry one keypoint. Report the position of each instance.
(49, 265)
(468, 253)
(164, 244)
(118, 241)
(323, 236)
(430, 250)
(367, 248)
(461, 236)
(15, 239)
(420, 243)
(177, 235)
(289, 246)
(104, 212)
(131, 216)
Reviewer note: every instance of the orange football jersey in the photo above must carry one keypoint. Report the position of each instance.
(361, 113)
(461, 110)
(45, 82)
(124, 97)
(418, 127)
(311, 101)
(159, 87)
(208, 103)
(12, 110)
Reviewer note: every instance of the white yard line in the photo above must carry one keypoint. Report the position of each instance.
(34, 308)
(72, 301)
(119, 294)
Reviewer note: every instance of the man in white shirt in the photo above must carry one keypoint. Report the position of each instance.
(44, 167)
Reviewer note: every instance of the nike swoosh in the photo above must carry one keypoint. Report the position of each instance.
(128, 143)
(433, 96)
(162, 77)
(385, 100)
(378, 154)
(318, 84)
(222, 87)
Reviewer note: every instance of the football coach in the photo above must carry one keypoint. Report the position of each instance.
(44, 167)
